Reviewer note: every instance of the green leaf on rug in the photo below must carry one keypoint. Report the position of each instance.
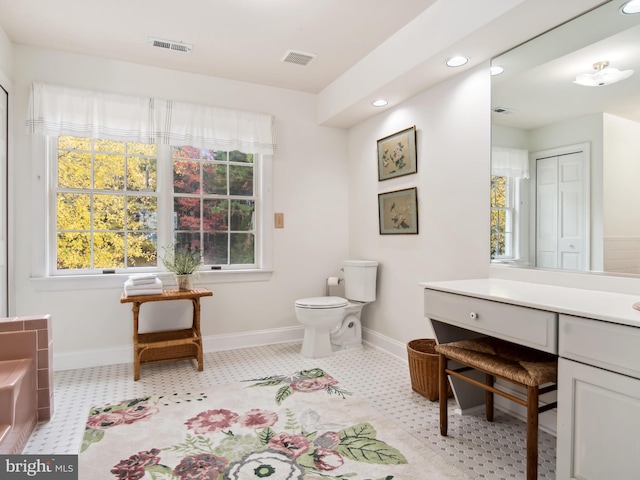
(265, 435)
(236, 447)
(313, 373)
(91, 436)
(359, 443)
(292, 424)
(270, 382)
(283, 393)
(160, 472)
(193, 444)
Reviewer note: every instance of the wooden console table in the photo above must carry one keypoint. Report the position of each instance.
(167, 346)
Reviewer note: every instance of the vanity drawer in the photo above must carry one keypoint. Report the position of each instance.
(606, 345)
(525, 326)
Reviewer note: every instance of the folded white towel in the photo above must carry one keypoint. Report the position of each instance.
(145, 289)
(143, 278)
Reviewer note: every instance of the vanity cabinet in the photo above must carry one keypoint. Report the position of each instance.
(598, 400)
(597, 337)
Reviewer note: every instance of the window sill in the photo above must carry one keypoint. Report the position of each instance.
(105, 281)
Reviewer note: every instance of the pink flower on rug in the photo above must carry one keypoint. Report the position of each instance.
(133, 467)
(211, 421)
(313, 384)
(294, 445)
(137, 412)
(203, 466)
(257, 418)
(327, 460)
(102, 421)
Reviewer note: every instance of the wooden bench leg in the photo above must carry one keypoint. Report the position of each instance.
(443, 394)
(489, 380)
(532, 433)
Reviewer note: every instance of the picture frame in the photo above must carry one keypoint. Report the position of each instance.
(398, 212)
(397, 154)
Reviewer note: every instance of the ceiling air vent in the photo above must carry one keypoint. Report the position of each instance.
(170, 45)
(298, 57)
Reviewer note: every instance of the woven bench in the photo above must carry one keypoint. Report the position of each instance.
(514, 363)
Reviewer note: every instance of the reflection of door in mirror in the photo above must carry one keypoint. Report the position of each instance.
(562, 208)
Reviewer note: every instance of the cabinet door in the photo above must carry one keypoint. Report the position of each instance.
(598, 423)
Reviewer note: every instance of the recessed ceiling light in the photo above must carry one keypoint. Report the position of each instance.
(457, 61)
(631, 7)
(496, 70)
(380, 103)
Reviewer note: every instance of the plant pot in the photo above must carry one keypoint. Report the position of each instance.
(184, 282)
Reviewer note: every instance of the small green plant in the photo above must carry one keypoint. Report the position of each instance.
(181, 261)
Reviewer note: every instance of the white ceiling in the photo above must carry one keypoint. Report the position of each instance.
(364, 48)
(237, 39)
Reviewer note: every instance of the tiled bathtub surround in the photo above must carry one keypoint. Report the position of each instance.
(41, 326)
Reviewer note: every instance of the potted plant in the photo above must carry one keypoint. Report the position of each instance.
(182, 262)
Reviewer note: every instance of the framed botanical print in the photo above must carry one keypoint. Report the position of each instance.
(397, 154)
(398, 212)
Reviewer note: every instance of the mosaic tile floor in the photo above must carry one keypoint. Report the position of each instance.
(483, 450)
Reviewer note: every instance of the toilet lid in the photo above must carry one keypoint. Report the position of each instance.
(321, 302)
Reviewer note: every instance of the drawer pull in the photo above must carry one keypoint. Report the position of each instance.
(473, 315)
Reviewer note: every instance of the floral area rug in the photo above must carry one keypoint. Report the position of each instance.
(299, 426)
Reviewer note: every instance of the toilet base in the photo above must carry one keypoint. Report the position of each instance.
(316, 344)
(315, 348)
(321, 343)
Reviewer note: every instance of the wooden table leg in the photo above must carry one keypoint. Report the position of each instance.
(196, 327)
(136, 353)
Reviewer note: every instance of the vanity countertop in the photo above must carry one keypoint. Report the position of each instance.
(599, 305)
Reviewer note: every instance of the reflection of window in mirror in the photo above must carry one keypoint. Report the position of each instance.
(502, 213)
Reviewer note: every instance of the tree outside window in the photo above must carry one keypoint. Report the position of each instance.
(502, 217)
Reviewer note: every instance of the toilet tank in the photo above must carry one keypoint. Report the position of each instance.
(360, 280)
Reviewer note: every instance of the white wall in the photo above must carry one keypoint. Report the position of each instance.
(310, 188)
(453, 129)
(621, 175)
(6, 56)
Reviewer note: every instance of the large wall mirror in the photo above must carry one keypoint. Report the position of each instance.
(565, 169)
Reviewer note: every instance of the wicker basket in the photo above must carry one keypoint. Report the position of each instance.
(423, 368)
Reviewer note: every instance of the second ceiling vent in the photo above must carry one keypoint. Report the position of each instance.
(170, 45)
(298, 57)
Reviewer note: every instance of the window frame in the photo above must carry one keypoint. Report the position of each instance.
(43, 275)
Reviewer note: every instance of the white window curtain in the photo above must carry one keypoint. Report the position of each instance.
(58, 110)
(509, 162)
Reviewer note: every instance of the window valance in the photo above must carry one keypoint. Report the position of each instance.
(510, 162)
(58, 110)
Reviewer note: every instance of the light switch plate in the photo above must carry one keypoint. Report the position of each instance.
(278, 220)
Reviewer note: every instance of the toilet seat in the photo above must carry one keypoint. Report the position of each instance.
(321, 303)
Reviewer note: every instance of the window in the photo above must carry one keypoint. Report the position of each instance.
(502, 217)
(214, 204)
(115, 205)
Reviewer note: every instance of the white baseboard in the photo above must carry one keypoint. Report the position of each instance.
(386, 344)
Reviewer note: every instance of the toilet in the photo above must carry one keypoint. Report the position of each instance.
(332, 324)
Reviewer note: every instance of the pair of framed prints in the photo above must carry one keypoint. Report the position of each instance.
(398, 210)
